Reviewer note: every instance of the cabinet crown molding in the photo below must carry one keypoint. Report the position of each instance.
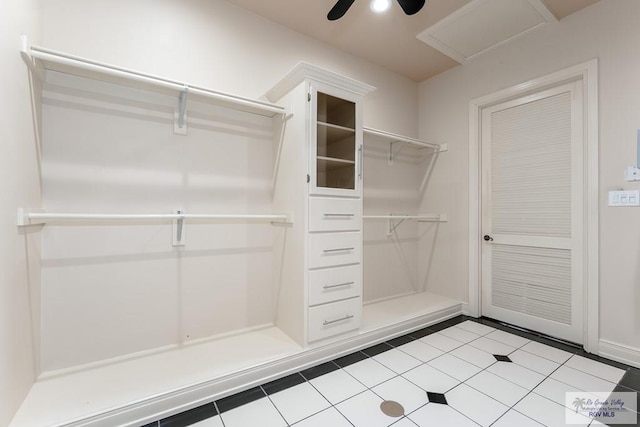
(306, 71)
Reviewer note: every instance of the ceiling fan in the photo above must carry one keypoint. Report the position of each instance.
(409, 7)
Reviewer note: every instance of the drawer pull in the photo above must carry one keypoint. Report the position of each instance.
(338, 285)
(344, 215)
(329, 322)
(326, 251)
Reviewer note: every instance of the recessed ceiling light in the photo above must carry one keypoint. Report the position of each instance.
(380, 6)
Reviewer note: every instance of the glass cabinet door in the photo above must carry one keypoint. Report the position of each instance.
(336, 162)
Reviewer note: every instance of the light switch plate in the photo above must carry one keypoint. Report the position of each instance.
(624, 198)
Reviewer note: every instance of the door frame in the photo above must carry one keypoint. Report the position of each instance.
(588, 73)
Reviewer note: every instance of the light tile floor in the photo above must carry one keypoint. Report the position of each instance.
(444, 375)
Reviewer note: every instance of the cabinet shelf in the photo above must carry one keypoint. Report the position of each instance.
(332, 162)
(335, 142)
(335, 173)
(337, 127)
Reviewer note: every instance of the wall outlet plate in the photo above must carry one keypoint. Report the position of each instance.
(632, 173)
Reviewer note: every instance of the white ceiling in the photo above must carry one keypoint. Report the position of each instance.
(388, 40)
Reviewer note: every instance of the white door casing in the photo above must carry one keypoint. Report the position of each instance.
(587, 73)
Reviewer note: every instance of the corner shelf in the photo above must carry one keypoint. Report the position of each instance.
(393, 138)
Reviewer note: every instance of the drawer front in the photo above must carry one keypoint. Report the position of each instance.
(334, 284)
(334, 318)
(335, 214)
(333, 249)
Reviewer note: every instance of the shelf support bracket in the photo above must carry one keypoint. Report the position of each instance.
(393, 155)
(24, 219)
(393, 224)
(28, 60)
(178, 229)
(180, 125)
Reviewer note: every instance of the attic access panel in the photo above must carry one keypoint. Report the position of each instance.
(483, 25)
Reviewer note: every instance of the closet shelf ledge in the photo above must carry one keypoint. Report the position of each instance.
(33, 217)
(58, 61)
(392, 137)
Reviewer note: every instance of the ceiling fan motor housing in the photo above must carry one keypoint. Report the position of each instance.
(410, 7)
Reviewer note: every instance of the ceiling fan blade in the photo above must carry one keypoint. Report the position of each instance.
(411, 7)
(339, 9)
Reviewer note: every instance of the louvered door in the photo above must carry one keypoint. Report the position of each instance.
(532, 199)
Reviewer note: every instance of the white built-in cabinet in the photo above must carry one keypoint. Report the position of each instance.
(320, 145)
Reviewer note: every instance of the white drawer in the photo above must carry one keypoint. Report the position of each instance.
(334, 284)
(335, 318)
(326, 214)
(329, 249)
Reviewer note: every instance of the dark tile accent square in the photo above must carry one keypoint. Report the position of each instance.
(620, 388)
(567, 346)
(283, 383)
(350, 359)
(319, 370)
(502, 358)
(532, 335)
(631, 379)
(377, 349)
(421, 333)
(239, 399)
(506, 328)
(437, 398)
(397, 342)
(604, 360)
(620, 425)
(448, 323)
(190, 417)
(557, 344)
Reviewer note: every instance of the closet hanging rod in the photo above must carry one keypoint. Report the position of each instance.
(399, 138)
(48, 56)
(28, 218)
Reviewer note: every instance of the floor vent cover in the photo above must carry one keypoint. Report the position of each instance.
(392, 409)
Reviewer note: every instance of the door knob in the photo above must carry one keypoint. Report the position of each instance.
(488, 238)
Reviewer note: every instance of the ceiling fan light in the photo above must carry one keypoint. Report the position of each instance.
(380, 6)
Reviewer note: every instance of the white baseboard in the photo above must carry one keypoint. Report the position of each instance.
(620, 352)
(465, 309)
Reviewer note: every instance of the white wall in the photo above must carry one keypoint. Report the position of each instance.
(19, 187)
(217, 45)
(115, 289)
(608, 31)
(110, 291)
(390, 261)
